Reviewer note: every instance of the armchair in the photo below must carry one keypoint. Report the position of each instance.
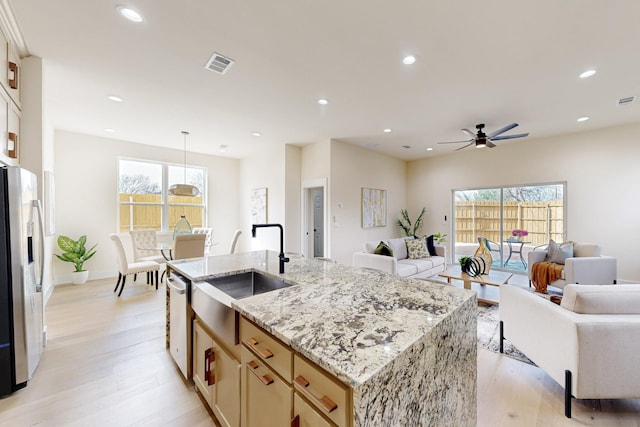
(587, 266)
(589, 344)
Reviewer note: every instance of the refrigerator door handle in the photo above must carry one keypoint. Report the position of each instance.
(36, 204)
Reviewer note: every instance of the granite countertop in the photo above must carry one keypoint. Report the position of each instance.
(350, 321)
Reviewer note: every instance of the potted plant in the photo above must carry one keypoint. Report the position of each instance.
(76, 253)
(410, 229)
(439, 238)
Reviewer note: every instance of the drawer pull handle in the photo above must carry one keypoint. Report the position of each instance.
(209, 358)
(324, 402)
(265, 353)
(12, 145)
(266, 379)
(13, 72)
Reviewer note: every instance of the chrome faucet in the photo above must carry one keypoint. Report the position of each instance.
(281, 256)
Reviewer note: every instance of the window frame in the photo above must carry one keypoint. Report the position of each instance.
(164, 203)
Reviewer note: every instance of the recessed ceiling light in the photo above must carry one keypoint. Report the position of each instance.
(109, 130)
(429, 148)
(223, 148)
(583, 119)
(587, 73)
(409, 60)
(406, 146)
(256, 134)
(387, 130)
(323, 101)
(129, 13)
(115, 98)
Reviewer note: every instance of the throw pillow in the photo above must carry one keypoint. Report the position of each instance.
(430, 246)
(557, 253)
(383, 249)
(417, 249)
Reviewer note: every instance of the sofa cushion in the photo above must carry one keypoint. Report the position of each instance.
(586, 249)
(430, 246)
(421, 265)
(557, 253)
(405, 269)
(417, 249)
(370, 247)
(383, 249)
(602, 299)
(436, 261)
(399, 247)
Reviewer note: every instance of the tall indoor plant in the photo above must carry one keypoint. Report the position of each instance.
(410, 229)
(76, 253)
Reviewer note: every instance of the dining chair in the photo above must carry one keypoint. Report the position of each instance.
(189, 246)
(234, 241)
(145, 246)
(126, 268)
(208, 241)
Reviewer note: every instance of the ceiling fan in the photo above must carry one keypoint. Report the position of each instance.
(482, 140)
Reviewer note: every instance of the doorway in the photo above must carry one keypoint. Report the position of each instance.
(314, 231)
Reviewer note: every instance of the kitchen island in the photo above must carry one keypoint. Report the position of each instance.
(405, 349)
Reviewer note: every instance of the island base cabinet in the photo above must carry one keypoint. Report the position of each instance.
(305, 415)
(216, 375)
(267, 399)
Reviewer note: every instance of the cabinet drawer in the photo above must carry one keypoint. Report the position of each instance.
(328, 396)
(268, 401)
(267, 348)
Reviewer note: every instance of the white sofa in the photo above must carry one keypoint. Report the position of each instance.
(590, 343)
(587, 266)
(399, 264)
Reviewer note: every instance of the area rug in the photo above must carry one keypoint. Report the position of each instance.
(489, 333)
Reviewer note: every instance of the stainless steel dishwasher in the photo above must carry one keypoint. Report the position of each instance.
(178, 322)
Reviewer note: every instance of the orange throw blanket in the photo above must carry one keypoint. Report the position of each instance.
(544, 273)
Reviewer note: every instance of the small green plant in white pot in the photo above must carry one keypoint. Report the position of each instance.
(74, 251)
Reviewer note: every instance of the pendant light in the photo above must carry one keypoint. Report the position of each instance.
(184, 189)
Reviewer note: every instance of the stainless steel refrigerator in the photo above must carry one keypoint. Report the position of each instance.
(21, 274)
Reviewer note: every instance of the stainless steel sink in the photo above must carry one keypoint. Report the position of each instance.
(246, 284)
(211, 300)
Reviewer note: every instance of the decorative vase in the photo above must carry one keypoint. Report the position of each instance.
(79, 277)
(182, 227)
(483, 253)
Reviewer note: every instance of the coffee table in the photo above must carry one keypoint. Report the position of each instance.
(494, 278)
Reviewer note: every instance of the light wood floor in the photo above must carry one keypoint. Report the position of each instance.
(106, 365)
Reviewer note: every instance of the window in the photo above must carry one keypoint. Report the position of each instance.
(145, 204)
(514, 220)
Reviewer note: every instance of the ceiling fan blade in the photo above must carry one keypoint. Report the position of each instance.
(468, 132)
(490, 144)
(503, 130)
(519, 135)
(455, 142)
(468, 145)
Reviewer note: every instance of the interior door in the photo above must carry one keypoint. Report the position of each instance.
(318, 222)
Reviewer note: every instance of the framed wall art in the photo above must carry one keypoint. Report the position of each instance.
(259, 206)
(374, 208)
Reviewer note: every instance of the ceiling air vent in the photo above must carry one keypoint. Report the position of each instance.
(627, 100)
(218, 63)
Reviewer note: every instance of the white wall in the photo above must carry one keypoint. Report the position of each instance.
(266, 169)
(352, 168)
(293, 195)
(600, 168)
(86, 194)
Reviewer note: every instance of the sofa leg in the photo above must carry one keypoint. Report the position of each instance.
(567, 393)
(501, 337)
(529, 282)
(615, 282)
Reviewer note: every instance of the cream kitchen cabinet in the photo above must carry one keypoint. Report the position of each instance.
(216, 374)
(280, 387)
(10, 71)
